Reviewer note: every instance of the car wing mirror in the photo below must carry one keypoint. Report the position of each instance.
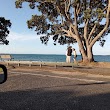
(3, 73)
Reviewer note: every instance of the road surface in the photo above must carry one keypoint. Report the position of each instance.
(45, 90)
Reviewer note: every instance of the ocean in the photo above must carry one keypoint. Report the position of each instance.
(54, 58)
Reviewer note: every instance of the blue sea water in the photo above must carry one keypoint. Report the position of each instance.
(54, 58)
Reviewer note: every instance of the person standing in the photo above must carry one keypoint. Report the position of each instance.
(68, 54)
(75, 55)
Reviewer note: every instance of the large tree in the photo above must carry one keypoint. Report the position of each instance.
(70, 21)
(4, 31)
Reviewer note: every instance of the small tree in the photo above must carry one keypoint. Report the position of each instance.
(70, 21)
(4, 24)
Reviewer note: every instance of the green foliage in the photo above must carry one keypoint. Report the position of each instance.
(40, 22)
(53, 18)
(4, 24)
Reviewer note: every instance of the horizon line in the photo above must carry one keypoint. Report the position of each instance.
(49, 54)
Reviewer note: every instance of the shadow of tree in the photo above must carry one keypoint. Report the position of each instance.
(43, 99)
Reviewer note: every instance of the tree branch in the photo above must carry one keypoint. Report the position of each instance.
(69, 33)
(76, 24)
(67, 7)
(86, 33)
(105, 8)
(85, 29)
(93, 29)
(78, 9)
(69, 3)
(105, 28)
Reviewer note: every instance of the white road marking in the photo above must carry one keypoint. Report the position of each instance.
(62, 77)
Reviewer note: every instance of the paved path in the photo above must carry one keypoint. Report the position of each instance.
(45, 90)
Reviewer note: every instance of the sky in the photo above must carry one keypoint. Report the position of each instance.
(25, 41)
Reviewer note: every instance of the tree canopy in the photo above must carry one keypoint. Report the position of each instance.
(4, 31)
(70, 21)
(58, 15)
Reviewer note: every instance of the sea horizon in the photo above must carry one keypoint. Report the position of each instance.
(49, 54)
(53, 57)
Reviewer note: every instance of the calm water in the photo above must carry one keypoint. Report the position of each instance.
(54, 58)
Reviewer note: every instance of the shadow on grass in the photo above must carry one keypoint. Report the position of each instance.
(43, 99)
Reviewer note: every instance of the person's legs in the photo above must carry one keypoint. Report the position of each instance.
(74, 59)
(68, 59)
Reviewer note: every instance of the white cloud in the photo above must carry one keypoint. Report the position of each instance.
(30, 43)
(13, 36)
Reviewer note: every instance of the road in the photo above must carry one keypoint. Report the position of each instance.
(45, 90)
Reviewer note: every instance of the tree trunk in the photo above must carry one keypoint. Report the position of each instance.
(87, 55)
(84, 56)
(85, 50)
(90, 54)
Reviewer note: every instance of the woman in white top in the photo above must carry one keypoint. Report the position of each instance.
(75, 55)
